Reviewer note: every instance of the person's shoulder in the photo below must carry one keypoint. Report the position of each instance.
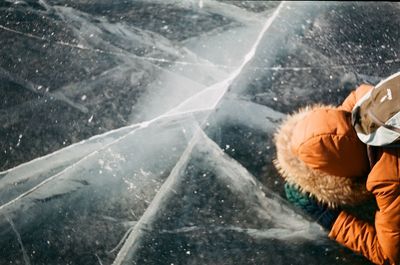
(386, 168)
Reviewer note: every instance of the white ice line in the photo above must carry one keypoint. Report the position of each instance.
(247, 58)
(161, 196)
(19, 239)
(141, 125)
(99, 260)
(127, 233)
(36, 89)
(162, 60)
(172, 178)
(79, 46)
(273, 233)
(168, 114)
(68, 147)
(236, 13)
(225, 83)
(53, 177)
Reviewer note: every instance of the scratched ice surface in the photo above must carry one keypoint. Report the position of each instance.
(140, 132)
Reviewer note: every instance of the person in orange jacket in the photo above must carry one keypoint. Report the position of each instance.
(319, 154)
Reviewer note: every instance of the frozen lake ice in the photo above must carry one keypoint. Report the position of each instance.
(140, 132)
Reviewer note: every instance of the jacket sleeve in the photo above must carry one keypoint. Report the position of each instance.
(354, 96)
(380, 243)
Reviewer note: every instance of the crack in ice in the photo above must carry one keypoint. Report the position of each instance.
(170, 182)
(218, 90)
(40, 90)
(19, 239)
(262, 233)
(184, 63)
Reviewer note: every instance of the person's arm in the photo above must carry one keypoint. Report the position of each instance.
(380, 243)
(354, 96)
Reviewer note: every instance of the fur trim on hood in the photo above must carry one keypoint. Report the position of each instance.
(329, 189)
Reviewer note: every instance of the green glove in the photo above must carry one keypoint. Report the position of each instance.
(319, 212)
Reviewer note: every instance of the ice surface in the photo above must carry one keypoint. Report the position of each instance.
(140, 132)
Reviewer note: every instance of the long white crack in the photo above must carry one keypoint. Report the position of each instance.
(172, 179)
(19, 239)
(186, 63)
(213, 94)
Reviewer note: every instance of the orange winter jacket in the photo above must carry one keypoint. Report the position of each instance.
(379, 242)
(319, 151)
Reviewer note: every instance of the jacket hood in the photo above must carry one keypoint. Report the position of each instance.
(319, 151)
